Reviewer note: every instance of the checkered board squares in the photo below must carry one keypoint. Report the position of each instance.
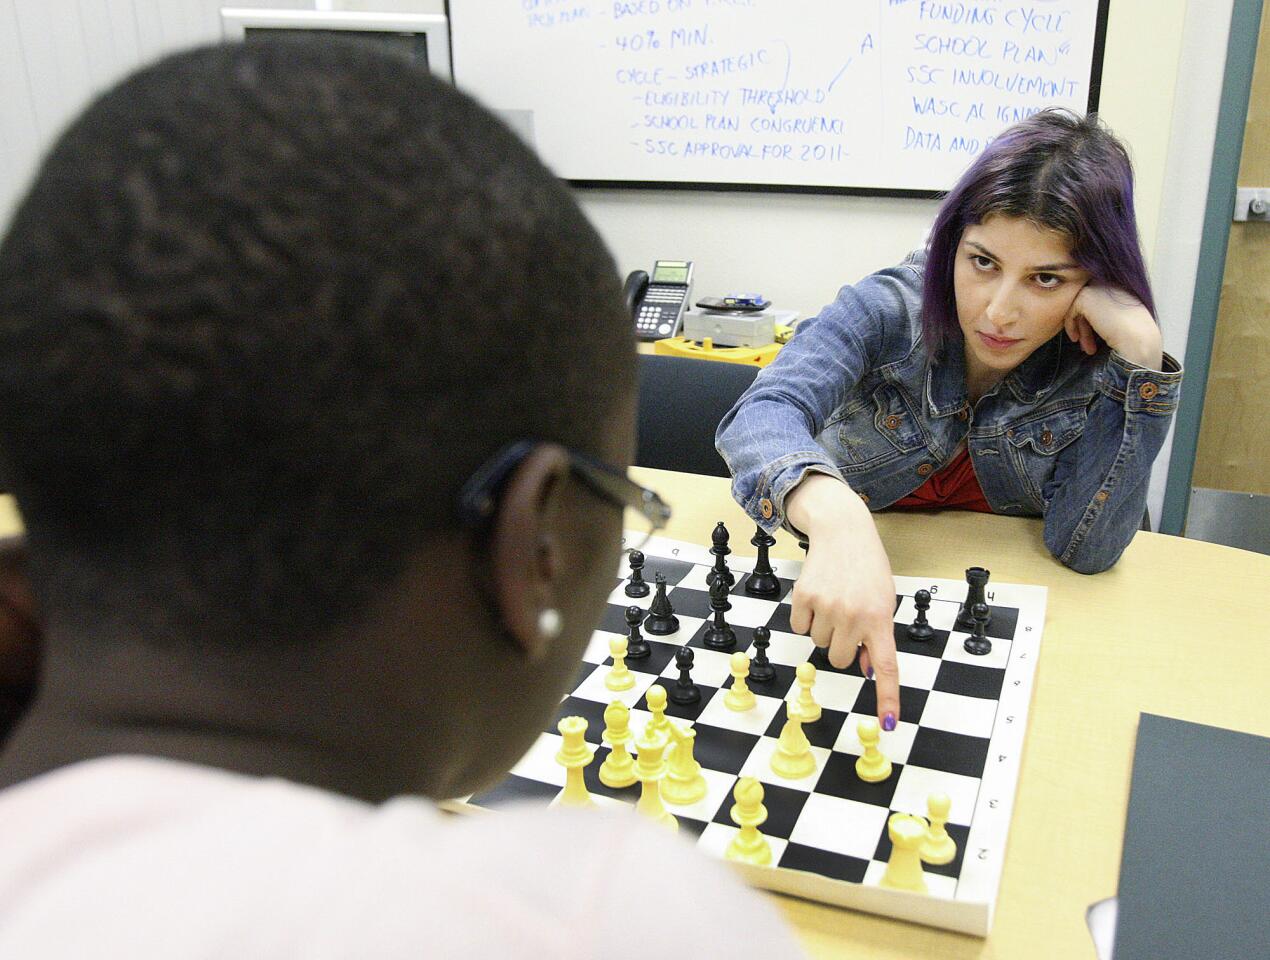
(963, 720)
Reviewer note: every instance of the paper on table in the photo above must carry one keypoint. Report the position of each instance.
(1101, 917)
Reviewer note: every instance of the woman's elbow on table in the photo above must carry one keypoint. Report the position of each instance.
(1084, 557)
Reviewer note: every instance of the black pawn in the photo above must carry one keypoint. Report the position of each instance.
(637, 647)
(977, 578)
(761, 669)
(978, 643)
(720, 550)
(684, 692)
(920, 629)
(718, 635)
(661, 615)
(637, 586)
(762, 582)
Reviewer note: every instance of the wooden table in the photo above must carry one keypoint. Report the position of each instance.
(1175, 628)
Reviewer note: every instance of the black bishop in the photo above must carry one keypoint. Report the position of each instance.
(720, 550)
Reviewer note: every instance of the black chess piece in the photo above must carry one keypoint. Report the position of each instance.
(637, 647)
(762, 582)
(978, 643)
(661, 615)
(977, 578)
(761, 669)
(684, 692)
(720, 550)
(920, 629)
(718, 635)
(637, 586)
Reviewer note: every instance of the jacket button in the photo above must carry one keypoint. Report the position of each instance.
(765, 506)
(1148, 391)
(864, 498)
(962, 414)
(924, 470)
(1101, 496)
(1010, 432)
(1046, 437)
(892, 422)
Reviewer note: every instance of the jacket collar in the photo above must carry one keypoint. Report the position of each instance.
(1029, 382)
(1035, 377)
(946, 379)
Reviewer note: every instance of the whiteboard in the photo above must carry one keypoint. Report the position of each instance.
(890, 96)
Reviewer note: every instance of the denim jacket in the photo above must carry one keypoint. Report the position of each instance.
(856, 395)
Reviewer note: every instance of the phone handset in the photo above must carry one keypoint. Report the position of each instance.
(657, 303)
(633, 290)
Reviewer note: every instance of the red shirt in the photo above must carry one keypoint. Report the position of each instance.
(954, 486)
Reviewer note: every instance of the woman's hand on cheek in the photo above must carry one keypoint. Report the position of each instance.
(1120, 319)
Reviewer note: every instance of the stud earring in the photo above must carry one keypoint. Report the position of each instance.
(550, 623)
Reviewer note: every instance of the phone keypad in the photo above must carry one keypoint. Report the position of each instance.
(659, 310)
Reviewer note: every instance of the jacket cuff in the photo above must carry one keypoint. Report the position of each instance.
(1142, 390)
(767, 506)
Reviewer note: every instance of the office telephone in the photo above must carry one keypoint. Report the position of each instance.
(657, 303)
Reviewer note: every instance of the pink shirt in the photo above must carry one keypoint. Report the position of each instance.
(135, 857)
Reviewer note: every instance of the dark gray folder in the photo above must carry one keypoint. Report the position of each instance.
(1195, 872)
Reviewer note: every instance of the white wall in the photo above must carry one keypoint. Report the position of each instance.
(795, 249)
(56, 54)
(1176, 261)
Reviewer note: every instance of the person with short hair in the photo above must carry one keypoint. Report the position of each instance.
(316, 396)
(1012, 366)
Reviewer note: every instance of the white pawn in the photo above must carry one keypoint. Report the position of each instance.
(619, 676)
(938, 847)
(872, 766)
(807, 704)
(740, 697)
(658, 724)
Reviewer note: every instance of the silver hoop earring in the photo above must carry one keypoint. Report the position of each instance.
(550, 623)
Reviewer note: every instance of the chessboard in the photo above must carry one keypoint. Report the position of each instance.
(961, 732)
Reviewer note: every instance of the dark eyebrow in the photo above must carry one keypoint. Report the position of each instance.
(1043, 268)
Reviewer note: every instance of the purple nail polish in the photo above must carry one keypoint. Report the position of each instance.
(870, 673)
(888, 722)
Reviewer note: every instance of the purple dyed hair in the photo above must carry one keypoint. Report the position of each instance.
(1061, 171)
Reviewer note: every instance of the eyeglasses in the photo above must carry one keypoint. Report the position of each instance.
(479, 497)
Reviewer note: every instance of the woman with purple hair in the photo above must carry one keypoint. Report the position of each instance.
(1013, 366)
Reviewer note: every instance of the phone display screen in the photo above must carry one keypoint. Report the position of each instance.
(670, 271)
